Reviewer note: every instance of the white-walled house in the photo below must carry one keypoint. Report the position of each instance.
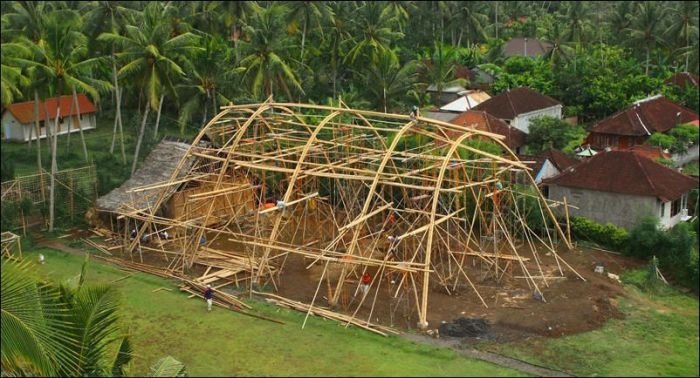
(519, 106)
(620, 186)
(18, 122)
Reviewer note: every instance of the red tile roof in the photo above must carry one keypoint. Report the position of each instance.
(645, 118)
(682, 79)
(560, 160)
(509, 104)
(519, 47)
(24, 111)
(486, 122)
(650, 152)
(627, 173)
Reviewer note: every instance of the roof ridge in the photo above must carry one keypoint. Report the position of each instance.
(644, 172)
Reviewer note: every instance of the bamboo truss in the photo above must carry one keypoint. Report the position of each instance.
(349, 191)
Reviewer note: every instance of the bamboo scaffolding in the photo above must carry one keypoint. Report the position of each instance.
(343, 168)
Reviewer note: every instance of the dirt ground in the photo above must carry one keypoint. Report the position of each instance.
(571, 305)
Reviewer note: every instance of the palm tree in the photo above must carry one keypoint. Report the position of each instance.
(376, 27)
(339, 35)
(26, 19)
(59, 58)
(438, 67)
(308, 14)
(108, 16)
(683, 29)
(646, 27)
(620, 19)
(267, 64)
(207, 81)
(386, 81)
(13, 79)
(34, 322)
(60, 330)
(561, 49)
(472, 19)
(153, 58)
(235, 15)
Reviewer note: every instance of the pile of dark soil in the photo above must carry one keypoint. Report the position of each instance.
(465, 327)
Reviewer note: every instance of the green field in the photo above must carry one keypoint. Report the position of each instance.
(658, 337)
(226, 343)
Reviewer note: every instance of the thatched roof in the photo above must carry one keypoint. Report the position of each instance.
(158, 167)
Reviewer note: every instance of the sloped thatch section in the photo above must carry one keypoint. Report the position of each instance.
(157, 168)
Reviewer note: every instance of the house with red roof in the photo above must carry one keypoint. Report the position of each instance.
(636, 123)
(619, 187)
(519, 106)
(18, 121)
(514, 138)
(547, 163)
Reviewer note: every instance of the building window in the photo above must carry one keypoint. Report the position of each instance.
(676, 207)
(42, 124)
(81, 117)
(663, 207)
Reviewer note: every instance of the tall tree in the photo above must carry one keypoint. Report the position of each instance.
(374, 26)
(471, 18)
(438, 68)
(152, 58)
(309, 14)
(387, 81)
(60, 59)
(267, 64)
(13, 78)
(683, 29)
(207, 81)
(646, 28)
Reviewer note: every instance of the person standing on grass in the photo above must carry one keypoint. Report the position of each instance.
(209, 296)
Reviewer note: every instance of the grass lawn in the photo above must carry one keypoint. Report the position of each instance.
(226, 343)
(659, 337)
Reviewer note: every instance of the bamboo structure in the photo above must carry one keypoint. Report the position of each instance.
(11, 245)
(346, 191)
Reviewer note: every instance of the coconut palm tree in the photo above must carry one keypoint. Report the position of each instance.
(13, 79)
(60, 330)
(683, 29)
(59, 59)
(338, 36)
(647, 27)
(152, 58)
(387, 80)
(561, 50)
(308, 14)
(374, 26)
(207, 81)
(33, 321)
(471, 18)
(267, 64)
(438, 67)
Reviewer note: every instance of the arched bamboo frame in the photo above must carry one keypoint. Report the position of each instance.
(374, 166)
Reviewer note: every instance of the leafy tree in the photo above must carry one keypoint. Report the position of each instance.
(661, 140)
(375, 25)
(549, 132)
(267, 64)
(308, 14)
(438, 68)
(685, 136)
(387, 81)
(683, 28)
(153, 58)
(521, 71)
(207, 81)
(646, 27)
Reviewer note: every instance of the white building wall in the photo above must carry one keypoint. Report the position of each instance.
(16, 131)
(522, 121)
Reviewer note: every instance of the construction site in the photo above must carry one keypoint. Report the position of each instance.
(381, 221)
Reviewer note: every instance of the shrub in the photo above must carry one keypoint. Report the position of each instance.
(645, 239)
(607, 235)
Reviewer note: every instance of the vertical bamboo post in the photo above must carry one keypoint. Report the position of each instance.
(568, 225)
